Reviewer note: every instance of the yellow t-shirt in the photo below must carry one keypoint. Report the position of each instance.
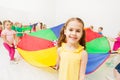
(70, 63)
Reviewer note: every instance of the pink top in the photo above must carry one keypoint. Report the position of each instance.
(9, 35)
(116, 44)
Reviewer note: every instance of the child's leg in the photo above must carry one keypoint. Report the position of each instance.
(12, 53)
(11, 50)
(7, 47)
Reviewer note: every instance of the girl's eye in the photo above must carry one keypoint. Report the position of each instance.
(77, 30)
(70, 29)
(8, 24)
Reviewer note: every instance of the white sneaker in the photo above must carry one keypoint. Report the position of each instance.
(13, 62)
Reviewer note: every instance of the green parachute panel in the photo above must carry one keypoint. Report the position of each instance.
(98, 45)
(47, 34)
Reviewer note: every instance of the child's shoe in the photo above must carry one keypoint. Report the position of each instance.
(13, 62)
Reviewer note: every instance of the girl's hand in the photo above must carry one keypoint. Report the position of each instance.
(15, 47)
(10, 45)
(56, 67)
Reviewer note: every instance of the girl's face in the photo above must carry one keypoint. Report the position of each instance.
(19, 25)
(99, 30)
(73, 32)
(8, 25)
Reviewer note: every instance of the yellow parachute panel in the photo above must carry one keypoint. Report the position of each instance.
(40, 58)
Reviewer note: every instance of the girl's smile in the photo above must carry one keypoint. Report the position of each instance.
(73, 32)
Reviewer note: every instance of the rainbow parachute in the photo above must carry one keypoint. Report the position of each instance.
(38, 48)
(98, 49)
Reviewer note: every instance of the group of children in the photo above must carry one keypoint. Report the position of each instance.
(72, 56)
(100, 29)
(11, 35)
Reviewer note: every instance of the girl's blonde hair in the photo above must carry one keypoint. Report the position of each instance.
(5, 22)
(62, 37)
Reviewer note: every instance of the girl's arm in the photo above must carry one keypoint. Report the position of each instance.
(15, 39)
(58, 60)
(83, 65)
(111, 39)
